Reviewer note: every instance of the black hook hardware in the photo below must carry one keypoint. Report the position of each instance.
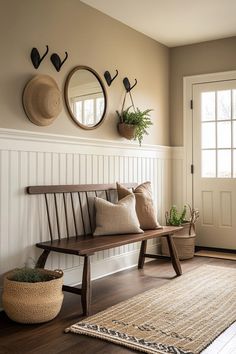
(127, 84)
(56, 60)
(35, 57)
(108, 78)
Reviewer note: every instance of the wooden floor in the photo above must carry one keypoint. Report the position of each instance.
(49, 338)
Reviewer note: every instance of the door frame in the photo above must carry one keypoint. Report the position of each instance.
(188, 82)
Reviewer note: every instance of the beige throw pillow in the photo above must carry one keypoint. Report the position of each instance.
(144, 205)
(113, 219)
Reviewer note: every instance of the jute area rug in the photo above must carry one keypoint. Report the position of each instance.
(181, 317)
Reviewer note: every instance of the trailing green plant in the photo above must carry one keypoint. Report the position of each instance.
(30, 275)
(140, 119)
(174, 217)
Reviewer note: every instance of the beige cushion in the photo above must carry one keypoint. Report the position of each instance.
(113, 219)
(144, 205)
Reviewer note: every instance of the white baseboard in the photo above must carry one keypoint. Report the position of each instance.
(108, 266)
(104, 267)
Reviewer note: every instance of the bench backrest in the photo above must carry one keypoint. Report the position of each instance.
(70, 208)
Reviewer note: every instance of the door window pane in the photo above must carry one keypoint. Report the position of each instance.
(208, 135)
(209, 163)
(234, 134)
(208, 106)
(224, 163)
(234, 163)
(234, 104)
(224, 134)
(218, 133)
(224, 104)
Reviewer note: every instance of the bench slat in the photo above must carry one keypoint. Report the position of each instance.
(74, 188)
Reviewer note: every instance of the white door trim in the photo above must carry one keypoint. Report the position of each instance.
(188, 83)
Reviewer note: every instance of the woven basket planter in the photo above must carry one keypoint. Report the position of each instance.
(33, 302)
(126, 130)
(184, 243)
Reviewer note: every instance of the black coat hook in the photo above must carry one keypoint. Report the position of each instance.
(108, 78)
(127, 84)
(56, 60)
(35, 57)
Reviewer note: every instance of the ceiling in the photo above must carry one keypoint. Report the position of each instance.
(174, 22)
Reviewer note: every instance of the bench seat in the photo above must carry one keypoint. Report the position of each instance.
(88, 245)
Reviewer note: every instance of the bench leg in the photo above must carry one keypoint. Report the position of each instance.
(42, 259)
(142, 254)
(174, 255)
(86, 287)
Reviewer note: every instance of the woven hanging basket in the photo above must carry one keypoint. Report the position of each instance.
(126, 130)
(33, 302)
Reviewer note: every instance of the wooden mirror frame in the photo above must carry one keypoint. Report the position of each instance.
(71, 73)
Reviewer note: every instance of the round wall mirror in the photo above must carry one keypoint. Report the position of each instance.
(85, 97)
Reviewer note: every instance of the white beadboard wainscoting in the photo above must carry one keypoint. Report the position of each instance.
(28, 158)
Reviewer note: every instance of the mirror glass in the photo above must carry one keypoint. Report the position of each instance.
(85, 97)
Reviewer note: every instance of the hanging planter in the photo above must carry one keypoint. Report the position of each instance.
(133, 124)
(127, 131)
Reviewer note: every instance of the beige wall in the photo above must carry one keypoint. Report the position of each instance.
(207, 57)
(91, 38)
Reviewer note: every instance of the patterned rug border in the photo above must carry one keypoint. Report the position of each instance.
(90, 333)
(91, 330)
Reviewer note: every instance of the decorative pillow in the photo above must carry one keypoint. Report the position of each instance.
(113, 219)
(144, 204)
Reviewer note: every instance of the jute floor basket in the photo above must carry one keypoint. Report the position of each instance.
(33, 302)
(185, 243)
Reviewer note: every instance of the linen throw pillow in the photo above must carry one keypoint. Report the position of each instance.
(113, 219)
(144, 204)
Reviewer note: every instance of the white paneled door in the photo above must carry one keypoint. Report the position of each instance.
(214, 160)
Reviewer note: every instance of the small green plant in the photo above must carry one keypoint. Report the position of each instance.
(30, 275)
(141, 120)
(175, 218)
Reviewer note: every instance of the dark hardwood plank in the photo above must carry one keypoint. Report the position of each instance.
(86, 287)
(82, 245)
(42, 259)
(74, 188)
(142, 252)
(157, 256)
(174, 255)
(50, 338)
(72, 289)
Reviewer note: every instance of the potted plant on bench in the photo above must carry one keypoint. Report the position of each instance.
(184, 239)
(32, 295)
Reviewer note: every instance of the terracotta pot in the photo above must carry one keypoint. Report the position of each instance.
(33, 302)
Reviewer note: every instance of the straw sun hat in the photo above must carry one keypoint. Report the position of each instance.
(42, 100)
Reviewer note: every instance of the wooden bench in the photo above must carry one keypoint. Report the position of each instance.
(70, 217)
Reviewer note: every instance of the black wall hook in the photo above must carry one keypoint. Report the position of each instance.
(56, 60)
(35, 57)
(127, 84)
(108, 78)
